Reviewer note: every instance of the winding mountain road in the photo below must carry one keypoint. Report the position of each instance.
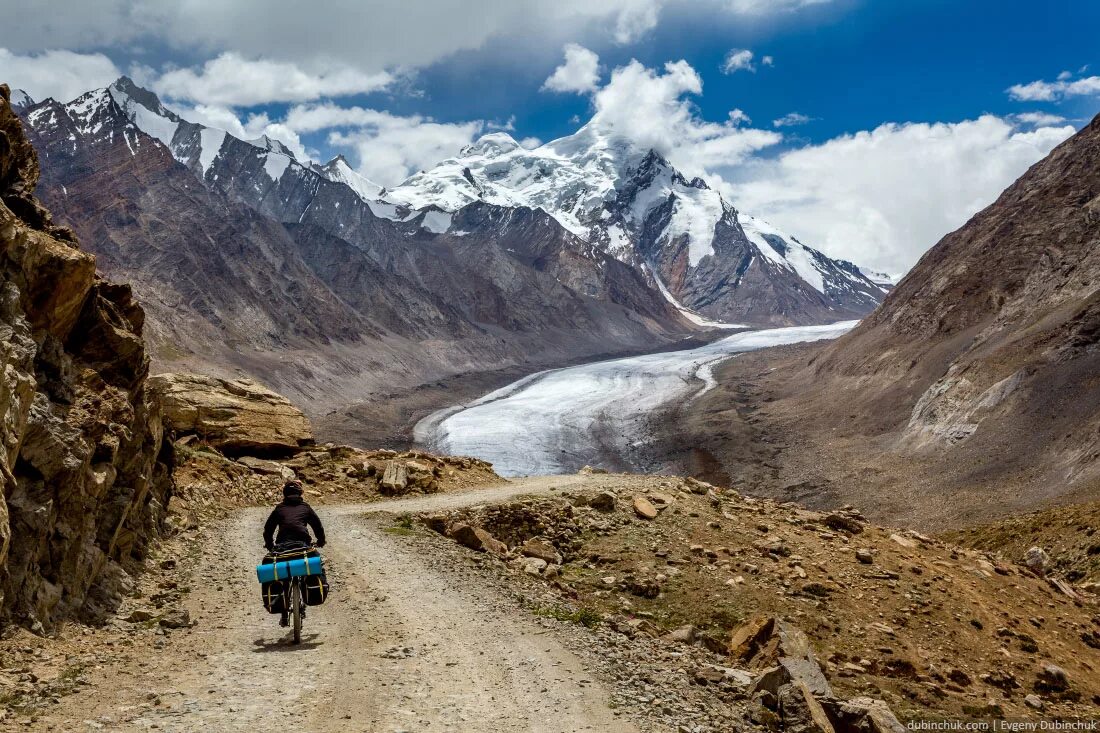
(402, 645)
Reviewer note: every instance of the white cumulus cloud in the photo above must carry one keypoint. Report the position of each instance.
(653, 109)
(249, 127)
(1052, 91)
(579, 73)
(368, 35)
(792, 119)
(882, 197)
(63, 75)
(388, 147)
(1038, 119)
(233, 80)
(739, 59)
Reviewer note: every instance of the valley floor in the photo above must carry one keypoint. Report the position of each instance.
(597, 413)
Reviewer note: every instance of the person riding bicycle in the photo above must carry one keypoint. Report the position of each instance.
(292, 518)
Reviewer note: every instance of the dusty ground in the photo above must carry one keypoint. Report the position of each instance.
(1067, 533)
(424, 634)
(402, 645)
(934, 629)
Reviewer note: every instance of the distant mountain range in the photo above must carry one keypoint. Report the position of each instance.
(331, 287)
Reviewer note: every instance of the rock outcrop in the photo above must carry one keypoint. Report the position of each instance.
(86, 476)
(234, 415)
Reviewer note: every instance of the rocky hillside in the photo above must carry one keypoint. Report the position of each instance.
(85, 472)
(970, 392)
(989, 346)
(734, 609)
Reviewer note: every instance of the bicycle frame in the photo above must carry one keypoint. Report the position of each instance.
(294, 593)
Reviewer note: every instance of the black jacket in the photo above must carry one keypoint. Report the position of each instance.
(291, 519)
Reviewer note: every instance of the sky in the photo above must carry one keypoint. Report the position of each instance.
(866, 128)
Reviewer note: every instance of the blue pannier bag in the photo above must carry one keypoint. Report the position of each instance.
(283, 569)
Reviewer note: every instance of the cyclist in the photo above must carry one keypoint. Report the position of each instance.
(292, 519)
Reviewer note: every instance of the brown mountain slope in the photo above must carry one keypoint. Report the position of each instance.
(973, 390)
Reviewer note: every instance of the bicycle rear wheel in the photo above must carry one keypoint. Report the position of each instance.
(296, 609)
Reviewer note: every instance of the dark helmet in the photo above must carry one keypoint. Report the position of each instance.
(292, 488)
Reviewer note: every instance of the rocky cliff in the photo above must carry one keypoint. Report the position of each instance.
(86, 476)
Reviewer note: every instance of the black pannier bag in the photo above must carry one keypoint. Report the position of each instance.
(274, 596)
(316, 589)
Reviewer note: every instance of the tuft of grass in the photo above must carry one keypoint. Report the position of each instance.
(402, 526)
(583, 616)
(71, 673)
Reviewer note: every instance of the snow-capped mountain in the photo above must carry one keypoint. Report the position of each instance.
(242, 254)
(612, 197)
(884, 280)
(631, 203)
(338, 169)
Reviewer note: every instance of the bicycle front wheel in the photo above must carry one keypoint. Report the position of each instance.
(296, 610)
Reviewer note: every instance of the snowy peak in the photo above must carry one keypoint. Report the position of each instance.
(884, 280)
(339, 170)
(491, 145)
(144, 109)
(196, 146)
(20, 99)
(633, 204)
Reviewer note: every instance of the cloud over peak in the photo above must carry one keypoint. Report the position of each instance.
(579, 73)
(233, 80)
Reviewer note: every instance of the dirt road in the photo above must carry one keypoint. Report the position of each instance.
(401, 646)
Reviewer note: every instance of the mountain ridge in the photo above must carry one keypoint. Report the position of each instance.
(328, 320)
(627, 201)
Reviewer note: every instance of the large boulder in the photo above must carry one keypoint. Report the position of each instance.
(234, 415)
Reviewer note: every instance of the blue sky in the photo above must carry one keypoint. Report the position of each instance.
(849, 65)
(903, 121)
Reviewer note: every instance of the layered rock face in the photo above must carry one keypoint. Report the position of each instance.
(233, 415)
(86, 476)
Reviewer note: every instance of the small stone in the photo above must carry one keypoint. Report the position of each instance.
(682, 635)
(177, 619)
(903, 541)
(1052, 678)
(1037, 560)
(843, 522)
(643, 508)
(865, 556)
(1034, 701)
(603, 501)
(540, 548)
(534, 565)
